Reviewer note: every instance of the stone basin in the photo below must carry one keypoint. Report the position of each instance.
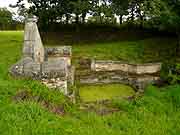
(93, 93)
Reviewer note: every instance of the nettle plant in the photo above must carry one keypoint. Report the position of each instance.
(174, 74)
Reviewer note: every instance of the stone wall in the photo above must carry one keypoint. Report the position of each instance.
(149, 68)
(136, 75)
(63, 52)
(137, 82)
(59, 51)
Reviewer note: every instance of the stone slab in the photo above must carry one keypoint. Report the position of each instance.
(149, 68)
(62, 51)
(55, 68)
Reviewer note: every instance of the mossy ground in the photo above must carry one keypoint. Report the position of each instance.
(141, 51)
(156, 113)
(92, 93)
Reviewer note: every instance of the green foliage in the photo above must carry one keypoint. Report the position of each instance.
(120, 8)
(170, 72)
(7, 22)
(162, 14)
(174, 75)
(165, 14)
(6, 18)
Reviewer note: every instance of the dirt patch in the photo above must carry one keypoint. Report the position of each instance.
(101, 108)
(59, 110)
(22, 96)
(25, 95)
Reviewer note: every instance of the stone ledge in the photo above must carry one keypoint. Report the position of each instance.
(138, 83)
(148, 68)
(62, 51)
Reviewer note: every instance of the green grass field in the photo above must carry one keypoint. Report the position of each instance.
(156, 113)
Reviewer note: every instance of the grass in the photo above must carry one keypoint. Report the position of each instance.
(103, 92)
(157, 113)
(140, 51)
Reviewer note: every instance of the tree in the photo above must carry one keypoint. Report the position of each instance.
(139, 11)
(6, 18)
(80, 7)
(120, 8)
(22, 10)
(39, 8)
(96, 10)
(132, 7)
(165, 14)
(85, 7)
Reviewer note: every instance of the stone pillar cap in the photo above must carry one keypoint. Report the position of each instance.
(32, 19)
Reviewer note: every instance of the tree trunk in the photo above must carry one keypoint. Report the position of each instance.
(178, 45)
(1, 26)
(77, 19)
(132, 14)
(100, 19)
(83, 17)
(121, 19)
(67, 18)
(141, 20)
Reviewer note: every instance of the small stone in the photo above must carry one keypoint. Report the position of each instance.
(53, 80)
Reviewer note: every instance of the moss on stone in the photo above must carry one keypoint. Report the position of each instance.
(104, 92)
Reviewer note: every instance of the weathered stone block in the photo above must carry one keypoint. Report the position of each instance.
(29, 31)
(32, 69)
(63, 51)
(56, 68)
(67, 60)
(33, 46)
(56, 83)
(18, 68)
(137, 82)
(28, 49)
(150, 68)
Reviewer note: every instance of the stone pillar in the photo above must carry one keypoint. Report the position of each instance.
(93, 64)
(33, 46)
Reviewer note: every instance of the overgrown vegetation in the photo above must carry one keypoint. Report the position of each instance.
(157, 112)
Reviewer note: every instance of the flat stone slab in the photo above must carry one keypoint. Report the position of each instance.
(59, 51)
(148, 68)
(56, 83)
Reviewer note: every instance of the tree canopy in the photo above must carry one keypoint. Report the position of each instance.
(6, 17)
(161, 14)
